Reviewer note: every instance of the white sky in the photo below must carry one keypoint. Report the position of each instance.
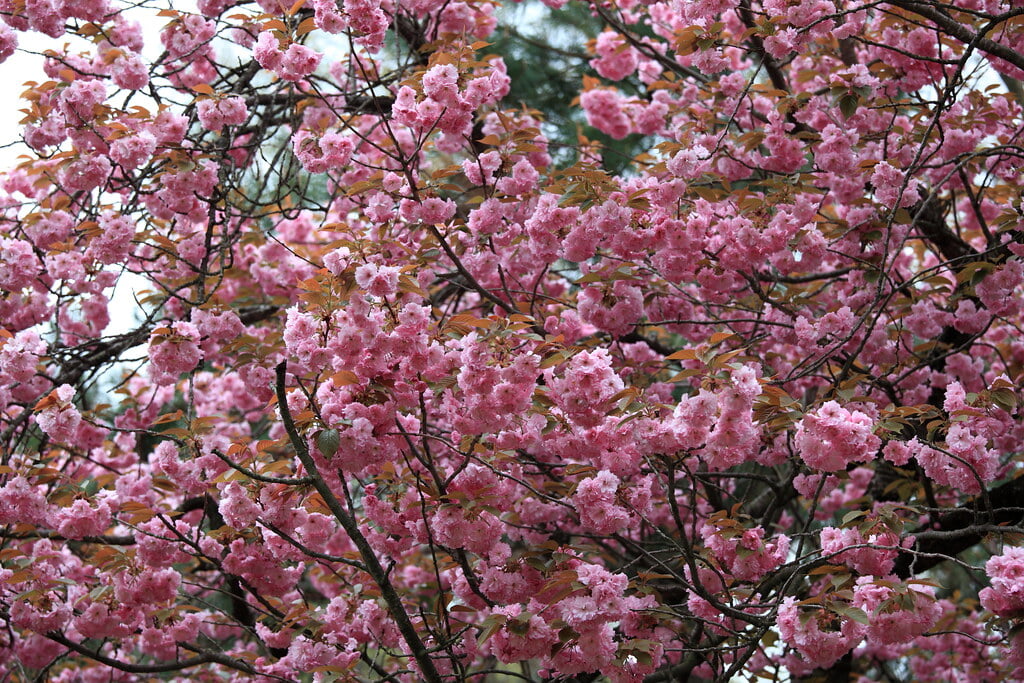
(19, 67)
(26, 64)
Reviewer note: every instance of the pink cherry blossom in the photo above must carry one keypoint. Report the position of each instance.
(832, 437)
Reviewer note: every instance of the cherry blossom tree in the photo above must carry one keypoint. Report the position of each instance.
(416, 386)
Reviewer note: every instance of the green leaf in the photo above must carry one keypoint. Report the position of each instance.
(853, 613)
(328, 441)
(848, 104)
(490, 626)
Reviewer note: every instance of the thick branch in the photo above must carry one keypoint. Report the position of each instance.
(94, 354)
(373, 566)
(974, 525)
(205, 657)
(964, 34)
(53, 536)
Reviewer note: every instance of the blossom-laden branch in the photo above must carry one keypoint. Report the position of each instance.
(446, 362)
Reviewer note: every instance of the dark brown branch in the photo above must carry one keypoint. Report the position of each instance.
(53, 536)
(205, 657)
(351, 527)
(972, 524)
(930, 220)
(962, 33)
(80, 359)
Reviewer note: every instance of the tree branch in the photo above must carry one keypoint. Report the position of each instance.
(373, 566)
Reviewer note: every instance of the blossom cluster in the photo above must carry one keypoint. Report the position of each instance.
(704, 375)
